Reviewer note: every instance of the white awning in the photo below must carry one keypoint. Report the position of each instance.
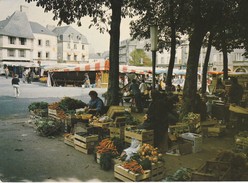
(23, 64)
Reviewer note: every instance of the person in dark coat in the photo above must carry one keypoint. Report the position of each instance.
(236, 91)
(156, 118)
(134, 89)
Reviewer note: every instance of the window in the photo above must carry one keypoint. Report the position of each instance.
(22, 53)
(12, 40)
(22, 41)
(82, 47)
(47, 54)
(75, 57)
(238, 57)
(162, 60)
(68, 45)
(39, 54)
(68, 57)
(75, 46)
(39, 42)
(11, 53)
(47, 43)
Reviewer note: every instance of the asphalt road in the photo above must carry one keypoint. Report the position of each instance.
(27, 157)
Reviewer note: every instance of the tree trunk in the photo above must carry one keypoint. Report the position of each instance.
(190, 86)
(113, 89)
(173, 45)
(205, 66)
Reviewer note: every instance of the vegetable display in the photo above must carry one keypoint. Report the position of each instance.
(107, 146)
(47, 127)
(133, 166)
(37, 105)
(149, 152)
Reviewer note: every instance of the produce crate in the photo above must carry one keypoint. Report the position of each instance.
(146, 136)
(195, 139)
(127, 176)
(69, 140)
(212, 171)
(114, 160)
(179, 128)
(216, 131)
(117, 132)
(157, 171)
(101, 124)
(85, 144)
(239, 140)
(113, 108)
(119, 121)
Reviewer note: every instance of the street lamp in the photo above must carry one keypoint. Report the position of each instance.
(154, 43)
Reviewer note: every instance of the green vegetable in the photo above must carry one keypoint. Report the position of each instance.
(119, 144)
(146, 164)
(47, 127)
(106, 161)
(69, 105)
(38, 105)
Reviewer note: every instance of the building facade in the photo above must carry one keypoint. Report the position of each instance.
(72, 46)
(16, 39)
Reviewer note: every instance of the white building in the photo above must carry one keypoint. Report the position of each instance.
(44, 44)
(73, 47)
(16, 39)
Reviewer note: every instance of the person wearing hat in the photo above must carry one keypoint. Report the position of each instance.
(96, 105)
(15, 83)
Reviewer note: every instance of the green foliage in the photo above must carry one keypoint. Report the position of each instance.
(146, 164)
(37, 105)
(69, 105)
(138, 56)
(119, 144)
(106, 161)
(130, 120)
(47, 127)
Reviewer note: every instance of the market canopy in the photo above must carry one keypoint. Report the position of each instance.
(22, 64)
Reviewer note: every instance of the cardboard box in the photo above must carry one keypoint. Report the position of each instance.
(195, 140)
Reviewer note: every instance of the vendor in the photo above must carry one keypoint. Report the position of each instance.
(236, 91)
(96, 105)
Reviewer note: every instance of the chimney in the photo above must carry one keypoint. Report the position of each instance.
(23, 9)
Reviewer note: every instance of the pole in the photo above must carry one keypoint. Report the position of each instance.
(153, 68)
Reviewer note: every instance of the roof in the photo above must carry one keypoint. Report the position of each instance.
(39, 29)
(16, 25)
(67, 32)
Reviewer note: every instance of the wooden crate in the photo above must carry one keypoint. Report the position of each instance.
(114, 160)
(239, 140)
(113, 108)
(146, 136)
(212, 171)
(216, 131)
(85, 144)
(179, 128)
(157, 171)
(127, 176)
(69, 140)
(117, 132)
(102, 124)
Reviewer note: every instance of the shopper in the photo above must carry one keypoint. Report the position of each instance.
(156, 119)
(6, 70)
(15, 83)
(135, 91)
(236, 91)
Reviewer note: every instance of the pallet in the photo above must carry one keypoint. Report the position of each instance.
(212, 171)
(145, 137)
(117, 132)
(157, 171)
(127, 176)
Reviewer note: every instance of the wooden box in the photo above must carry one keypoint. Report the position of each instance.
(117, 132)
(127, 176)
(212, 171)
(85, 144)
(216, 131)
(69, 140)
(157, 171)
(146, 136)
(179, 128)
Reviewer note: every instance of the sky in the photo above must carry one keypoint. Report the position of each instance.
(98, 42)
